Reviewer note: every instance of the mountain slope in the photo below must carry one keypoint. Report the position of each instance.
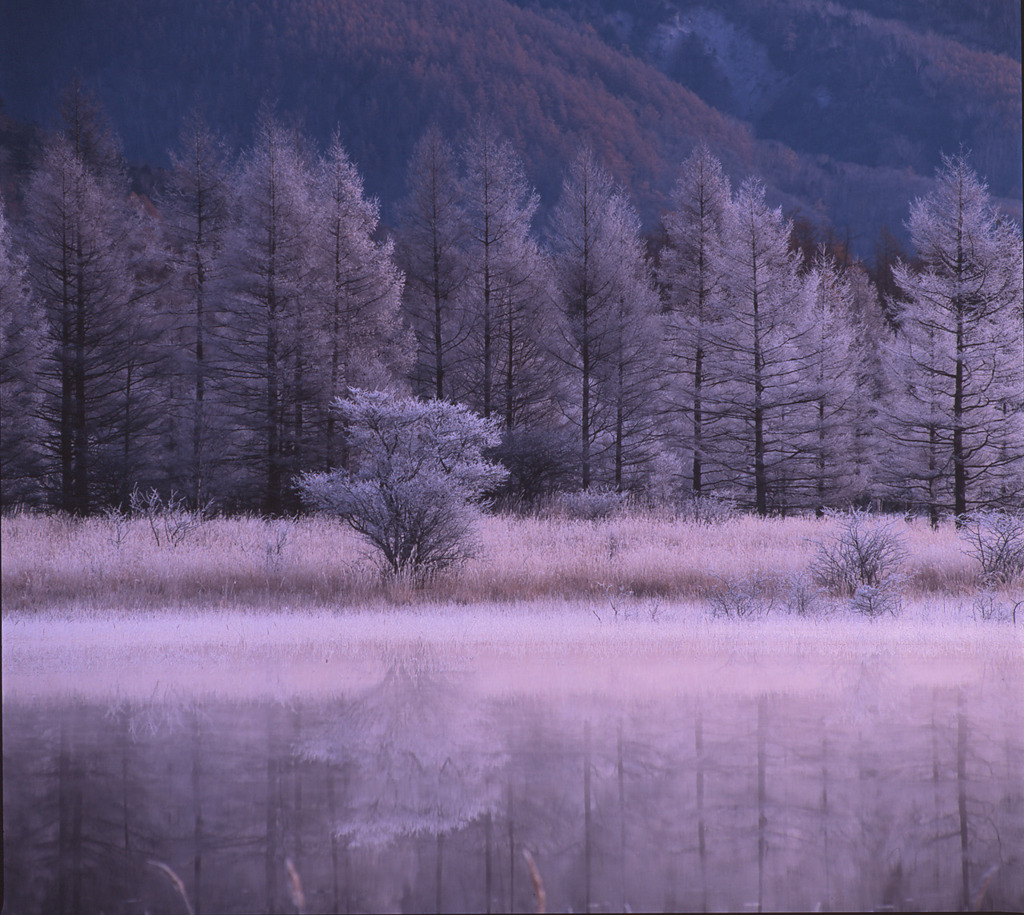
(847, 79)
(380, 70)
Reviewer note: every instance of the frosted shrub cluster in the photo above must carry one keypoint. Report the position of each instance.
(707, 508)
(170, 520)
(996, 540)
(744, 599)
(594, 504)
(862, 562)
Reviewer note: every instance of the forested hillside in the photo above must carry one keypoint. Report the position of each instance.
(843, 113)
(878, 84)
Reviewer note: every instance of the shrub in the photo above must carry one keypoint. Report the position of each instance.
(862, 562)
(747, 599)
(707, 508)
(594, 504)
(170, 520)
(539, 462)
(418, 470)
(996, 540)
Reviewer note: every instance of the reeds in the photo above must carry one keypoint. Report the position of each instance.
(56, 562)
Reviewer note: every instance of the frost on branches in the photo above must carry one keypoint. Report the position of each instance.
(417, 471)
(958, 425)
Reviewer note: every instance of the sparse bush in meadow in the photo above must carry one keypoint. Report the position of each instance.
(862, 561)
(707, 508)
(742, 599)
(594, 504)
(996, 540)
(170, 520)
(802, 596)
(992, 607)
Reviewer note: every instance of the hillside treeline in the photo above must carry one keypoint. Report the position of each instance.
(195, 343)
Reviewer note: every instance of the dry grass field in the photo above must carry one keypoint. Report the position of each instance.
(60, 563)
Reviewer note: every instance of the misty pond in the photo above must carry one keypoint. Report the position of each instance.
(435, 782)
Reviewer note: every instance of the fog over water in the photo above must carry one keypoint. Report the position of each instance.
(722, 770)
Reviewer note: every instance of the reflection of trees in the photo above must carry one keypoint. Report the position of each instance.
(418, 794)
(420, 761)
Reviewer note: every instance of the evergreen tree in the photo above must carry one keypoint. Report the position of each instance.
(609, 334)
(91, 271)
(360, 300)
(499, 298)
(269, 256)
(831, 379)
(195, 210)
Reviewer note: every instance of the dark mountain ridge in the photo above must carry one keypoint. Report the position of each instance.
(849, 153)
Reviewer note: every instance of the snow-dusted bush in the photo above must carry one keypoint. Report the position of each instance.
(170, 520)
(707, 508)
(742, 599)
(417, 470)
(593, 504)
(996, 540)
(862, 561)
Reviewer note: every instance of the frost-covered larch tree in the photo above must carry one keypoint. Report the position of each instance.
(503, 279)
(360, 290)
(22, 332)
(609, 335)
(958, 423)
(764, 340)
(195, 209)
(271, 327)
(430, 249)
(90, 265)
(691, 273)
(831, 379)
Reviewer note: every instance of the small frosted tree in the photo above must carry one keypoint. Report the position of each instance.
(417, 472)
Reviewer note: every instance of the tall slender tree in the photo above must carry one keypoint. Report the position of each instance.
(832, 366)
(270, 258)
(958, 422)
(764, 338)
(691, 272)
(503, 264)
(86, 264)
(430, 249)
(195, 209)
(361, 341)
(22, 335)
(608, 335)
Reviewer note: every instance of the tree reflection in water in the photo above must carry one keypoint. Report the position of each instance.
(422, 791)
